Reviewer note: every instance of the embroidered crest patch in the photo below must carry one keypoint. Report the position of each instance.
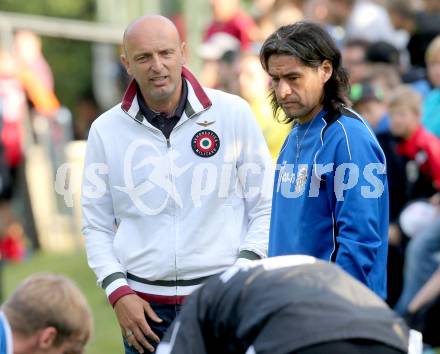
(205, 143)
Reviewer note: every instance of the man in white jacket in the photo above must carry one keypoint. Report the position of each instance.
(177, 186)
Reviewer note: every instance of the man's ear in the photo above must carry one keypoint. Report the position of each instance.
(326, 69)
(46, 337)
(183, 52)
(126, 63)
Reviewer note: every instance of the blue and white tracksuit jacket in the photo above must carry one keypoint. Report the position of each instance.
(330, 197)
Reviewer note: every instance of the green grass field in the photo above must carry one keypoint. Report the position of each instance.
(107, 337)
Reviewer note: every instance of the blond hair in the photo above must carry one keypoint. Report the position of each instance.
(405, 96)
(433, 50)
(48, 300)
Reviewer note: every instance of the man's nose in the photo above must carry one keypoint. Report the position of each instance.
(284, 89)
(157, 63)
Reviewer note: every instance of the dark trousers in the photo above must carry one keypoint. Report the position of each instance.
(355, 346)
(167, 313)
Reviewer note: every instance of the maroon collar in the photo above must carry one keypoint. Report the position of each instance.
(201, 95)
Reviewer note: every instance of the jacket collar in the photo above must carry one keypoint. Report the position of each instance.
(197, 100)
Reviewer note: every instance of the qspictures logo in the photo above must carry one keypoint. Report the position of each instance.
(150, 179)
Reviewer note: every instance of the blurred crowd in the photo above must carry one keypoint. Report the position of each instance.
(391, 49)
(26, 88)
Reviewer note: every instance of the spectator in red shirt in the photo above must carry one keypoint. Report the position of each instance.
(229, 18)
(418, 145)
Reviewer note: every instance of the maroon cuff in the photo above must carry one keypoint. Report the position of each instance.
(160, 299)
(118, 293)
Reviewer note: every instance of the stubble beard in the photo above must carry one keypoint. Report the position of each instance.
(302, 115)
(162, 94)
(298, 116)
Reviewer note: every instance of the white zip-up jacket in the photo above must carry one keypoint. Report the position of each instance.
(160, 215)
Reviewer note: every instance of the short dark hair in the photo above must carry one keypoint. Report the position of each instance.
(383, 52)
(311, 44)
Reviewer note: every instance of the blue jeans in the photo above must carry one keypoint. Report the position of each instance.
(167, 313)
(420, 264)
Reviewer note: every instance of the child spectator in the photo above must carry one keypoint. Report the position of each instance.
(420, 147)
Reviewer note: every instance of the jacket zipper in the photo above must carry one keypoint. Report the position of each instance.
(174, 186)
(168, 144)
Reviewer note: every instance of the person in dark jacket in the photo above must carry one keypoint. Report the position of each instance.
(285, 305)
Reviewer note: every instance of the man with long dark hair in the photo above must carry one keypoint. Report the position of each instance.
(330, 195)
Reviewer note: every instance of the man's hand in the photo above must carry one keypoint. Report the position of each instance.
(130, 311)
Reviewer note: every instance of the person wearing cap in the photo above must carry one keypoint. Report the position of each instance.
(368, 100)
(177, 186)
(330, 195)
